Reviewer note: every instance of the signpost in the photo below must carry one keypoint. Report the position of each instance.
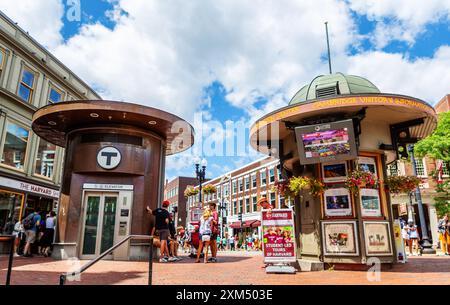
(279, 248)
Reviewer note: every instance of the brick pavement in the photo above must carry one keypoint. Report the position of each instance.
(234, 268)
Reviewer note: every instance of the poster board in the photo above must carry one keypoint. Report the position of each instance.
(377, 238)
(340, 238)
(337, 202)
(279, 244)
(370, 202)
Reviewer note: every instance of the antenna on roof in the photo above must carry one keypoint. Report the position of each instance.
(328, 47)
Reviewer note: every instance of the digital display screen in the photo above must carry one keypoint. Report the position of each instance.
(326, 142)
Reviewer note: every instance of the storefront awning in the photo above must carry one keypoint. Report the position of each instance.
(245, 224)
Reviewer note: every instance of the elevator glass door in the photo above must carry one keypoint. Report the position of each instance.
(99, 223)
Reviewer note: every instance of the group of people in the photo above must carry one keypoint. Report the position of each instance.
(444, 234)
(410, 236)
(35, 231)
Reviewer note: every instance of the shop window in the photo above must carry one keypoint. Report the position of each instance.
(271, 175)
(247, 205)
(10, 206)
(15, 146)
(45, 159)
(55, 95)
(26, 84)
(263, 178)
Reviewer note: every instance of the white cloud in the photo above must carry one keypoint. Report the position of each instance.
(401, 20)
(42, 19)
(425, 78)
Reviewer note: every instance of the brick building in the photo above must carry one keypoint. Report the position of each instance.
(174, 192)
(425, 167)
(237, 194)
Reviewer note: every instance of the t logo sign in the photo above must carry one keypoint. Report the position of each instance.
(108, 157)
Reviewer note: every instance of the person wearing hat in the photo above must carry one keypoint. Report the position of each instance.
(162, 226)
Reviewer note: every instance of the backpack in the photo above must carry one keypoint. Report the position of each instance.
(28, 222)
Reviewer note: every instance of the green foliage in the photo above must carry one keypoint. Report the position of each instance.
(436, 145)
(442, 198)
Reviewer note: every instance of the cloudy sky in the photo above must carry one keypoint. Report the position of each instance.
(229, 62)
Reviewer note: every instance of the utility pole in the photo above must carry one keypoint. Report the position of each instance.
(328, 47)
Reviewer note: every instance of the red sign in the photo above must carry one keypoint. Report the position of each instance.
(278, 236)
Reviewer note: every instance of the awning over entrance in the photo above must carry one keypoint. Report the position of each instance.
(245, 224)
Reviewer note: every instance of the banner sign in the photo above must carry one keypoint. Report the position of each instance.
(278, 236)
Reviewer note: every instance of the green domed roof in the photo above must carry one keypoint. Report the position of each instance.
(333, 84)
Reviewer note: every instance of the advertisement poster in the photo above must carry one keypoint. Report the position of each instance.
(367, 164)
(339, 238)
(337, 202)
(376, 235)
(334, 172)
(278, 236)
(370, 203)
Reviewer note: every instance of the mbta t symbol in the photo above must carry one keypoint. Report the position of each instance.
(108, 156)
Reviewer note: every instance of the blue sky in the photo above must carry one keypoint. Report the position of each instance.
(226, 61)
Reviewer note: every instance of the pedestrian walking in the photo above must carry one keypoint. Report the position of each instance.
(49, 233)
(214, 232)
(31, 225)
(231, 241)
(444, 234)
(413, 241)
(205, 233)
(162, 226)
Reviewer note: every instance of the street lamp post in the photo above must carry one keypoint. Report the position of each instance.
(223, 207)
(426, 244)
(200, 175)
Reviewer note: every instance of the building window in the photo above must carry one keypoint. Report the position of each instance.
(393, 169)
(240, 185)
(280, 177)
(247, 183)
(45, 159)
(253, 181)
(234, 207)
(420, 167)
(271, 175)
(241, 205)
(234, 187)
(55, 95)
(263, 178)
(247, 205)
(2, 60)
(254, 201)
(26, 85)
(225, 189)
(15, 146)
(273, 199)
(445, 169)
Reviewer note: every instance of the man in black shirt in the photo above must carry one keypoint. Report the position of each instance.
(162, 226)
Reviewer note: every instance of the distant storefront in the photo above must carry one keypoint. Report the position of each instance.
(18, 198)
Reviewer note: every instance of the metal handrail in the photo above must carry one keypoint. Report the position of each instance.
(63, 277)
(11, 239)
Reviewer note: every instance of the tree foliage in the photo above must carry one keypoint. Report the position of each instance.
(436, 145)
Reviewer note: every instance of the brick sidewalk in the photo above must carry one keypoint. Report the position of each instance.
(238, 268)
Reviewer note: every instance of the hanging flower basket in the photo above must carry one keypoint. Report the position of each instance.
(282, 187)
(209, 189)
(298, 184)
(361, 179)
(402, 184)
(190, 191)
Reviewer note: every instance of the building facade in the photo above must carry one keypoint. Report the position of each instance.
(425, 168)
(237, 194)
(30, 78)
(174, 192)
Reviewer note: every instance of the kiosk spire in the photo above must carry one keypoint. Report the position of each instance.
(328, 47)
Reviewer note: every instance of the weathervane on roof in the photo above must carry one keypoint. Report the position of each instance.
(328, 46)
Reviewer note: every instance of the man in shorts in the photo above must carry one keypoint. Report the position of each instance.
(162, 226)
(31, 232)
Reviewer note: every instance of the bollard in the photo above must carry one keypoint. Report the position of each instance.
(150, 261)
(10, 263)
